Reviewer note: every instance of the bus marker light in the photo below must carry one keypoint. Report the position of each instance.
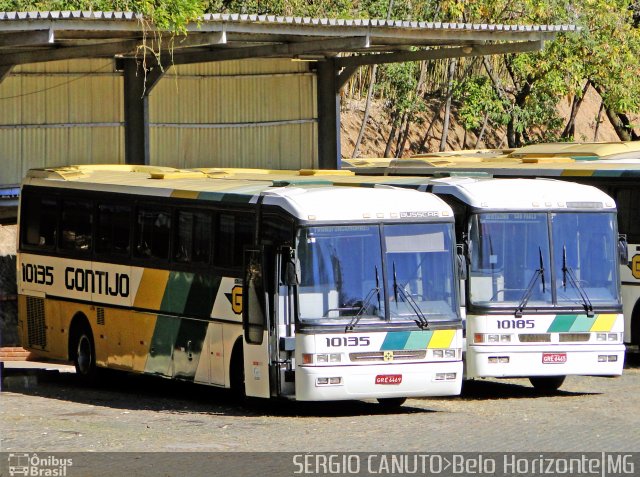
(478, 338)
(307, 358)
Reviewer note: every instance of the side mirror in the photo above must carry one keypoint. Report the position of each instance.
(623, 250)
(290, 267)
(462, 262)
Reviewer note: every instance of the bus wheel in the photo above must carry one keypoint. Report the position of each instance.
(85, 355)
(391, 403)
(547, 384)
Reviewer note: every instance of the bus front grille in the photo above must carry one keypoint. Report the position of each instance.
(534, 337)
(388, 355)
(36, 327)
(564, 337)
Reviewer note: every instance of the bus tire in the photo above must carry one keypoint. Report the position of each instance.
(391, 403)
(236, 372)
(546, 384)
(84, 355)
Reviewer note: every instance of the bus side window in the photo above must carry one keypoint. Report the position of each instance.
(628, 202)
(232, 233)
(39, 221)
(153, 232)
(114, 229)
(76, 225)
(192, 237)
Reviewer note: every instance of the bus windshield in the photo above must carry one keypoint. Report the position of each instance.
(507, 250)
(510, 259)
(344, 273)
(585, 257)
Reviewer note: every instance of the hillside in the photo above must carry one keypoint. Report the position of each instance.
(374, 142)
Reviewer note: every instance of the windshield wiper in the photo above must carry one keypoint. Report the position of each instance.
(422, 321)
(568, 271)
(539, 273)
(365, 304)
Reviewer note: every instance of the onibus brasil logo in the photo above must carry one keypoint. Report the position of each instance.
(37, 466)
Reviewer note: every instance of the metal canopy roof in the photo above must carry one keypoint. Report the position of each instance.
(30, 37)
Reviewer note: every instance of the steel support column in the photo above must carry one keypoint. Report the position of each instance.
(136, 113)
(328, 97)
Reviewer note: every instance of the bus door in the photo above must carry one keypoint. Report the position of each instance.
(285, 279)
(255, 326)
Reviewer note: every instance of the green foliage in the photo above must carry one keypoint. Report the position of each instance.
(398, 85)
(477, 98)
(524, 97)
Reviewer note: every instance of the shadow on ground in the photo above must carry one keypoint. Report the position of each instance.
(119, 390)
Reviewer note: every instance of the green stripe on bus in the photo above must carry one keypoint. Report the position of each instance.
(562, 323)
(582, 323)
(176, 292)
(418, 340)
(395, 340)
(161, 350)
(188, 348)
(202, 295)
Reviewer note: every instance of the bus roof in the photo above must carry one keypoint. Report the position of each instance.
(308, 196)
(583, 150)
(481, 192)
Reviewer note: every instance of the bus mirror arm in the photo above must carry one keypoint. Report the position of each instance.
(623, 250)
(291, 269)
(462, 262)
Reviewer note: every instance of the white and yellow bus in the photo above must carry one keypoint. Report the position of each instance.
(612, 167)
(300, 290)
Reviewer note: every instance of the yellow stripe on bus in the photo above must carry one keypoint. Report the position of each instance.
(185, 194)
(151, 289)
(604, 322)
(441, 339)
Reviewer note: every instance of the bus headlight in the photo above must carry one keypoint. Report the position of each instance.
(322, 358)
(491, 338)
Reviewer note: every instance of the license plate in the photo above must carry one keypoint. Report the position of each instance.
(554, 358)
(389, 379)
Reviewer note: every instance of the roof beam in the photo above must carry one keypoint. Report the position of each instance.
(281, 49)
(440, 53)
(27, 38)
(4, 72)
(89, 51)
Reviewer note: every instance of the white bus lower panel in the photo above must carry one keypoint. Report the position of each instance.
(513, 361)
(329, 383)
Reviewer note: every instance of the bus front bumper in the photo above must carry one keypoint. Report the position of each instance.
(378, 381)
(526, 361)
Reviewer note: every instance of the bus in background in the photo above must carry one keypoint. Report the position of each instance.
(613, 168)
(542, 292)
(302, 291)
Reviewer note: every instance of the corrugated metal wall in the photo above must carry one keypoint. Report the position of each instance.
(252, 113)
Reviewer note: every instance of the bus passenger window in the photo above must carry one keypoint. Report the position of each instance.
(114, 229)
(41, 223)
(233, 232)
(77, 221)
(153, 230)
(193, 237)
